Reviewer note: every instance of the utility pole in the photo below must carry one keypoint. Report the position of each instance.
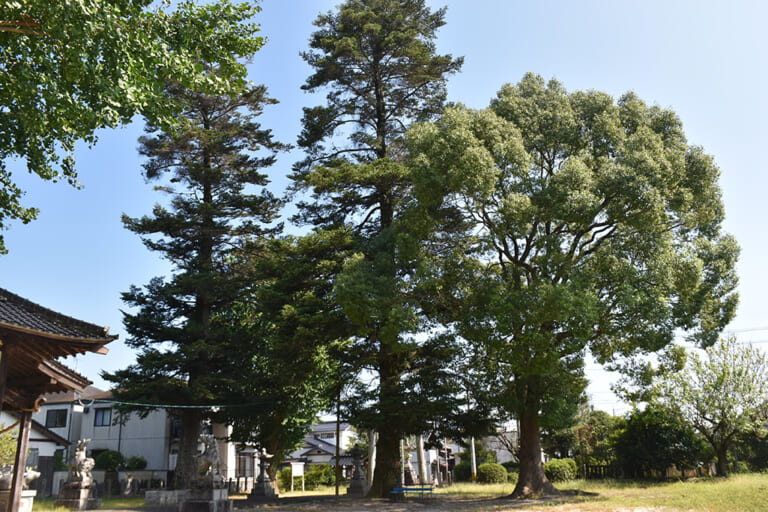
(473, 458)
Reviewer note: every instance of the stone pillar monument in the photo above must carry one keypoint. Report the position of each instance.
(358, 486)
(262, 489)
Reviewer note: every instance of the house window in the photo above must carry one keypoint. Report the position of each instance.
(103, 417)
(56, 418)
(328, 436)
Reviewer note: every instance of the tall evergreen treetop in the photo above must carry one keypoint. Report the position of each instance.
(208, 167)
(377, 59)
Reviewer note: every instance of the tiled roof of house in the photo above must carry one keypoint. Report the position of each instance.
(329, 426)
(317, 444)
(17, 311)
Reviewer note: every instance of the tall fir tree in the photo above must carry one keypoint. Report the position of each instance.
(378, 62)
(209, 167)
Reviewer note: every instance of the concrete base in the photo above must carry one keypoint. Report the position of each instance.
(75, 498)
(165, 498)
(263, 492)
(25, 504)
(206, 499)
(357, 488)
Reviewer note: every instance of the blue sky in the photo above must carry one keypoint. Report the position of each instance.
(706, 60)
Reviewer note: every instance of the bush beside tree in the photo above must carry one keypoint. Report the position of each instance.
(560, 470)
(491, 473)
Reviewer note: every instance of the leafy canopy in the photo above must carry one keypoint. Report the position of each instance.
(71, 67)
(594, 226)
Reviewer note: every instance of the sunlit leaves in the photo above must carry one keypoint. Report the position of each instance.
(71, 67)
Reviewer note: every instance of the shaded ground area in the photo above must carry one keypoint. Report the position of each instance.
(438, 503)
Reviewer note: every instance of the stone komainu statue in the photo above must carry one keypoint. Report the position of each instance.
(81, 466)
(209, 460)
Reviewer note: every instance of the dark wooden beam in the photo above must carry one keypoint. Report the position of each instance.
(3, 376)
(17, 483)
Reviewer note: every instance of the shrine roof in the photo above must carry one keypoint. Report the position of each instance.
(20, 312)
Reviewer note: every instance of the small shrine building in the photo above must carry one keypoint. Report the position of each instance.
(31, 339)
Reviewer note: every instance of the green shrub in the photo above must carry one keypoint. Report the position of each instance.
(491, 473)
(109, 460)
(284, 479)
(560, 470)
(512, 477)
(462, 471)
(317, 475)
(137, 462)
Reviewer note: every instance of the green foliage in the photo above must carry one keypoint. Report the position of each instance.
(595, 228)
(315, 475)
(292, 337)
(284, 479)
(653, 439)
(109, 460)
(319, 474)
(754, 449)
(588, 441)
(211, 168)
(78, 68)
(7, 446)
(135, 462)
(512, 477)
(378, 63)
(723, 395)
(462, 472)
(491, 473)
(561, 470)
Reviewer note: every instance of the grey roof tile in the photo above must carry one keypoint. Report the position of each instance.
(21, 312)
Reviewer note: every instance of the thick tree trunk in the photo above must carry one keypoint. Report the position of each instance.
(186, 469)
(532, 479)
(387, 472)
(722, 460)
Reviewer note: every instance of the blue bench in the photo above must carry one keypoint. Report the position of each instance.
(403, 492)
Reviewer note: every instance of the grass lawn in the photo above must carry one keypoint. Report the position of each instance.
(46, 505)
(739, 493)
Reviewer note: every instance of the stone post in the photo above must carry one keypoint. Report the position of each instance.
(262, 488)
(358, 486)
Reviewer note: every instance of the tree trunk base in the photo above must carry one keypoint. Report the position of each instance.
(528, 491)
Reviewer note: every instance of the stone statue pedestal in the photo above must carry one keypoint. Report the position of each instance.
(263, 492)
(25, 504)
(208, 493)
(78, 498)
(206, 499)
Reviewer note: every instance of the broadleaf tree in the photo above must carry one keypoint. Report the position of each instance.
(72, 67)
(378, 63)
(722, 395)
(212, 168)
(596, 229)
